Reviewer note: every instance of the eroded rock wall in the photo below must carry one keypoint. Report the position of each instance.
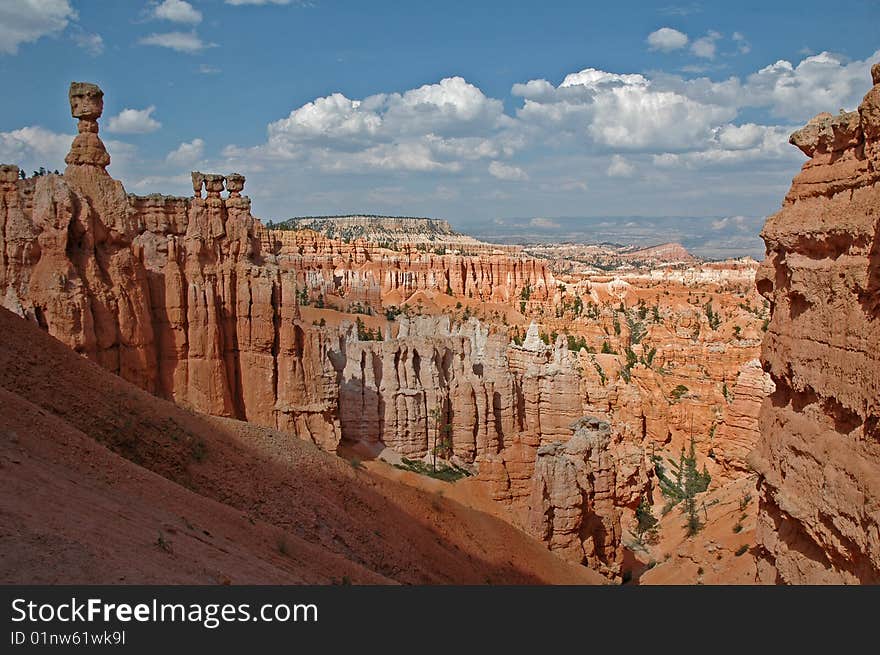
(365, 272)
(819, 452)
(172, 294)
(580, 489)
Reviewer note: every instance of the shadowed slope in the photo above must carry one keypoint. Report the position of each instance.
(103, 482)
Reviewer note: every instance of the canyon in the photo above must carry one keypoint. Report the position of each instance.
(555, 381)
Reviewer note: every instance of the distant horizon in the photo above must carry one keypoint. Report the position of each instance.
(740, 233)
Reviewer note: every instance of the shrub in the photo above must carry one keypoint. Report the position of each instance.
(685, 482)
(199, 451)
(679, 392)
(163, 543)
(646, 522)
(449, 473)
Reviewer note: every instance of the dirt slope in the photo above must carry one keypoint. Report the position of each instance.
(722, 552)
(103, 483)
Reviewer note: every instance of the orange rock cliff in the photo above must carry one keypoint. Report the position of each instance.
(819, 452)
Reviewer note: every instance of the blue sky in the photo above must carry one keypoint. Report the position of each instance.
(478, 114)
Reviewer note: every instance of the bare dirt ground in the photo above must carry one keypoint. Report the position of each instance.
(722, 552)
(104, 483)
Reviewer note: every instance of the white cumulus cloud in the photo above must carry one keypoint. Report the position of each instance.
(706, 46)
(177, 11)
(33, 146)
(823, 82)
(620, 167)
(134, 121)
(91, 43)
(654, 137)
(626, 112)
(188, 152)
(25, 21)
(742, 44)
(188, 42)
(431, 128)
(506, 172)
(667, 39)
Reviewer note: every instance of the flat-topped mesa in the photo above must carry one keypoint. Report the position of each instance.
(87, 104)
(818, 519)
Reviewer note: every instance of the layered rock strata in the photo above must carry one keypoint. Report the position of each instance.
(366, 272)
(468, 381)
(819, 453)
(579, 491)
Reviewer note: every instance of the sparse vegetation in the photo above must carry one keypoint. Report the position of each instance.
(449, 473)
(442, 437)
(727, 393)
(646, 523)
(602, 377)
(713, 317)
(163, 543)
(393, 312)
(367, 334)
(685, 482)
(678, 393)
(742, 550)
(637, 329)
(576, 343)
(198, 450)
